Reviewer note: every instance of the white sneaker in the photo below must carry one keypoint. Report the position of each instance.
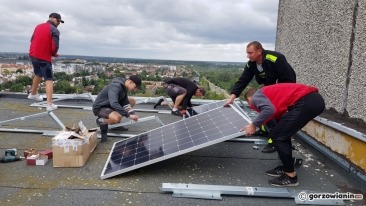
(51, 107)
(36, 97)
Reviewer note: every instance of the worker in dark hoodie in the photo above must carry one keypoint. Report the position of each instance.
(112, 103)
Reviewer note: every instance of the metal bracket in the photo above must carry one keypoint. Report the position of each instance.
(150, 100)
(57, 98)
(246, 108)
(215, 192)
(144, 119)
(258, 141)
(44, 132)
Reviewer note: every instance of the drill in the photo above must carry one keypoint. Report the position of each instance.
(10, 156)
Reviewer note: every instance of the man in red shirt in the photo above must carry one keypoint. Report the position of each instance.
(44, 46)
(292, 106)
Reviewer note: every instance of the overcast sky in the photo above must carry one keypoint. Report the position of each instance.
(202, 30)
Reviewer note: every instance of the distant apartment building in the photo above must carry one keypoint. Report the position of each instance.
(8, 60)
(12, 68)
(168, 67)
(71, 68)
(60, 67)
(94, 68)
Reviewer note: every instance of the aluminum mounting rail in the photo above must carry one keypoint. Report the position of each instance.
(215, 191)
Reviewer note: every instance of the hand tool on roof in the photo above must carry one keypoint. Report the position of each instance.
(10, 156)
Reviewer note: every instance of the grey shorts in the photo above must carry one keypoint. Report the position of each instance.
(174, 90)
(104, 112)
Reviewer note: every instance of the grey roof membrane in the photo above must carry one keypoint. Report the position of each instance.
(229, 163)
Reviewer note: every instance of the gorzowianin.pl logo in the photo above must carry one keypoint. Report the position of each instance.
(326, 196)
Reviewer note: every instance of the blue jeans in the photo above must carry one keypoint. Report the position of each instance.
(42, 68)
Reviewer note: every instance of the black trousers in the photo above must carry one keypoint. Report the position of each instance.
(296, 117)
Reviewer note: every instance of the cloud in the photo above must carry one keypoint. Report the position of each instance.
(204, 30)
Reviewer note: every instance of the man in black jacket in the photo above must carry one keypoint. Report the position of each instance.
(181, 91)
(268, 67)
(112, 103)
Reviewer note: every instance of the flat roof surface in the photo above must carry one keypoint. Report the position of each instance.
(229, 163)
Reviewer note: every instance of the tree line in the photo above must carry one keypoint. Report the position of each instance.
(224, 78)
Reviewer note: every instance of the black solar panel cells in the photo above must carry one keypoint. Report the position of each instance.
(171, 140)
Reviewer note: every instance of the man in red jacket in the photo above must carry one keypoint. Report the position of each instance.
(44, 46)
(292, 106)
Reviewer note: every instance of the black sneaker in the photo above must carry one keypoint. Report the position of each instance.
(98, 121)
(121, 128)
(158, 103)
(284, 180)
(103, 134)
(103, 130)
(191, 112)
(269, 148)
(276, 172)
(177, 113)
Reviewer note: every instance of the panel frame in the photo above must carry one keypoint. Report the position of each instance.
(165, 157)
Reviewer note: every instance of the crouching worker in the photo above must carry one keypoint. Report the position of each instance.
(181, 90)
(112, 103)
(293, 106)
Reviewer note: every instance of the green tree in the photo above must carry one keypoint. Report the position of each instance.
(19, 71)
(84, 82)
(119, 74)
(101, 75)
(84, 73)
(24, 80)
(5, 71)
(143, 75)
(160, 92)
(78, 89)
(63, 87)
(92, 82)
(99, 85)
(62, 76)
(17, 88)
(109, 69)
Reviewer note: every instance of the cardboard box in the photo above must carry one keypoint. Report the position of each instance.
(41, 159)
(71, 149)
(31, 159)
(30, 152)
(48, 153)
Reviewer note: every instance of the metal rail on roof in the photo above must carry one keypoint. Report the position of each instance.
(337, 126)
(215, 191)
(59, 122)
(48, 113)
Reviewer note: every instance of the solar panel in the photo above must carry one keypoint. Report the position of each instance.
(196, 132)
(243, 108)
(208, 107)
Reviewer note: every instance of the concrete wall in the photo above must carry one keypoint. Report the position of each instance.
(325, 42)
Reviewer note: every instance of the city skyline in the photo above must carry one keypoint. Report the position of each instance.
(206, 30)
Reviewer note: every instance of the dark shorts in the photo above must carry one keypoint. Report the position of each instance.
(42, 68)
(174, 90)
(103, 112)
